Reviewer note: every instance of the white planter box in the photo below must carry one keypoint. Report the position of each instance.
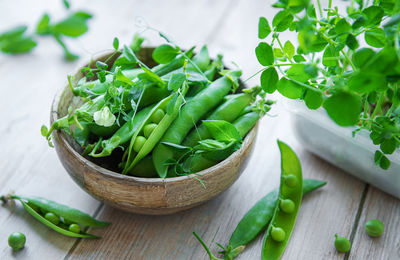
(321, 136)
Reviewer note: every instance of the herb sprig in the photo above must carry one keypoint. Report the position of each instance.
(348, 63)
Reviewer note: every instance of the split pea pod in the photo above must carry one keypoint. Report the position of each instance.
(124, 134)
(228, 111)
(153, 128)
(289, 199)
(58, 217)
(258, 217)
(190, 113)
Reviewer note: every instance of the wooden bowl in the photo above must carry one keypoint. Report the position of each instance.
(153, 196)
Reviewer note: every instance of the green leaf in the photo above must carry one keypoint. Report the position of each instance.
(342, 26)
(44, 130)
(388, 146)
(269, 78)
(311, 42)
(282, 21)
(263, 28)
(278, 53)
(344, 108)
(116, 43)
(375, 37)
(222, 130)
(18, 45)
(330, 57)
(66, 4)
(297, 72)
(165, 53)
(367, 81)
(374, 15)
(352, 42)
(14, 32)
(362, 57)
(298, 58)
(74, 25)
(119, 75)
(289, 49)
(313, 99)
(290, 89)
(381, 160)
(43, 27)
(176, 81)
(264, 54)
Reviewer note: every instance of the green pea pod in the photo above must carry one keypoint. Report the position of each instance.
(64, 211)
(144, 168)
(228, 111)
(177, 99)
(81, 135)
(201, 59)
(176, 63)
(124, 134)
(283, 221)
(192, 112)
(258, 217)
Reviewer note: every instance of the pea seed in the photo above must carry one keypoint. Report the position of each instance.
(139, 142)
(287, 206)
(53, 218)
(374, 227)
(148, 129)
(291, 180)
(157, 116)
(342, 244)
(34, 207)
(278, 234)
(74, 228)
(16, 241)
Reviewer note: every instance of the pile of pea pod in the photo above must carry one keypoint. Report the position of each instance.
(163, 121)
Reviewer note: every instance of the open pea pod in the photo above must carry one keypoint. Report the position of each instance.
(64, 211)
(49, 224)
(170, 106)
(285, 214)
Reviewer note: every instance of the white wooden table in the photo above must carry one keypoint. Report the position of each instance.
(30, 167)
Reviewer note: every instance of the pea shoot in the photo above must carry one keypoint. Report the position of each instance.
(357, 84)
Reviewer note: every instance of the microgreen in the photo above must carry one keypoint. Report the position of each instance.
(347, 63)
(16, 41)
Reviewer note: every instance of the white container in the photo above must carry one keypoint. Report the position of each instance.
(321, 136)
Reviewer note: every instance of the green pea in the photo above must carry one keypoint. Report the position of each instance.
(139, 142)
(74, 228)
(278, 234)
(148, 129)
(287, 206)
(34, 207)
(53, 218)
(342, 244)
(291, 180)
(157, 116)
(374, 227)
(16, 241)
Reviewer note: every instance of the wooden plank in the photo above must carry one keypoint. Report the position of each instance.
(378, 205)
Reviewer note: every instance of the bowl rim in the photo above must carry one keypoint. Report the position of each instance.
(60, 135)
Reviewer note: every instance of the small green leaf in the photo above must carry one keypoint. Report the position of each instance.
(116, 43)
(269, 78)
(17, 45)
(290, 89)
(352, 42)
(362, 57)
(342, 26)
(176, 81)
(263, 28)
(44, 130)
(289, 49)
(297, 72)
(330, 57)
(374, 15)
(264, 54)
(388, 146)
(298, 58)
(278, 53)
(13, 32)
(222, 131)
(344, 108)
(381, 160)
(282, 21)
(375, 37)
(367, 81)
(164, 53)
(119, 75)
(66, 4)
(43, 26)
(313, 99)
(74, 25)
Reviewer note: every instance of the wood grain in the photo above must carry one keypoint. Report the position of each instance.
(29, 83)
